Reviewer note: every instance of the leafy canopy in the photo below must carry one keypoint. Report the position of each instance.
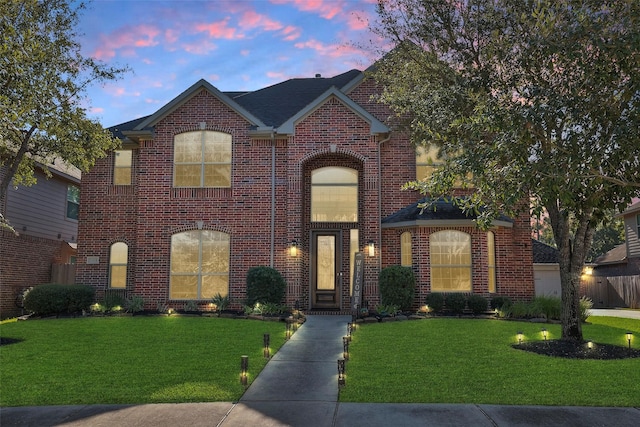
(43, 78)
(526, 100)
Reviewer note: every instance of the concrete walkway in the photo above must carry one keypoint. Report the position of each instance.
(298, 387)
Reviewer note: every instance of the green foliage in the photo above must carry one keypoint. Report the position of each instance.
(477, 303)
(51, 299)
(397, 286)
(113, 301)
(134, 304)
(529, 131)
(547, 306)
(517, 310)
(387, 309)
(435, 302)
(586, 304)
(191, 305)
(265, 285)
(455, 302)
(221, 302)
(500, 301)
(270, 309)
(43, 107)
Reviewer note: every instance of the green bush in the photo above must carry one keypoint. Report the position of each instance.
(435, 302)
(518, 310)
(477, 303)
(397, 286)
(113, 302)
(586, 304)
(51, 299)
(135, 304)
(500, 302)
(265, 285)
(455, 302)
(547, 306)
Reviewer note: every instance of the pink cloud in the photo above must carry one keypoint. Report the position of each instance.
(291, 32)
(253, 19)
(201, 47)
(171, 35)
(330, 50)
(218, 30)
(276, 75)
(126, 39)
(96, 110)
(327, 9)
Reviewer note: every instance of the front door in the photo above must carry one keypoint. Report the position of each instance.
(325, 262)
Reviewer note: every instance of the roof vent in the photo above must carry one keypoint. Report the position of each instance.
(318, 76)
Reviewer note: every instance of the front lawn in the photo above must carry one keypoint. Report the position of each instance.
(472, 361)
(141, 359)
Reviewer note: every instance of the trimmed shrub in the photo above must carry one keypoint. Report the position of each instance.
(435, 302)
(52, 299)
(265, 285)
(397, 286)
(477, 303)
(455, 302)
(500, 302)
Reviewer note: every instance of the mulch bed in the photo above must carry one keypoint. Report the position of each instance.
(578, 350)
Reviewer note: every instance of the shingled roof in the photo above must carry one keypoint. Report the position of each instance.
(543, 253)
(441, 212)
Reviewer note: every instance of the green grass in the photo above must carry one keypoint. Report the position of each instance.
(130, 359)
(472, 361)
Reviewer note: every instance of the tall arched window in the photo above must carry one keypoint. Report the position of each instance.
(491, 261)
(450, 261)
(405, 249)
(334, 194)
(202, 159)
(118, 256)
(199, 264)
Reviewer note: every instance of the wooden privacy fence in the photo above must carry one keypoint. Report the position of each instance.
(63, 274)
(618, 291)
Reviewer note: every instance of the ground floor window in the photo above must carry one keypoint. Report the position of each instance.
(118, 255)
(450, 261)
(491, 259)
(406, 257)
(199, 264)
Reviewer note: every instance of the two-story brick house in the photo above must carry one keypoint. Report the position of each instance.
(300, 176)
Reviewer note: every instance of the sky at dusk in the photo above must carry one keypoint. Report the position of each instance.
(236, 45)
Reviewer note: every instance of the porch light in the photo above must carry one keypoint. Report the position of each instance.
(629, 335)
(544, 333)
(267, 353)
(244, 367)
(293, 248)
(341, 379)
(372, 248)
(520, 337)
(345, 348)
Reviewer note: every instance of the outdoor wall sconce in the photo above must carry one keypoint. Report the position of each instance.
(266, 346)
(345, 348)
(341, 379)
(372, 248)
(520, 337)
(544, 333)
(244, 368)
(293, 249)
(629, 335)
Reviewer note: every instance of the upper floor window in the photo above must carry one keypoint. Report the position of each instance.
(638, 226)
(199, 264)
(334, 194)
(118, 256)
(202, 159)
(405, 249)
(491, 261)
(73, 201)
(427, 160)
(122, 167)
(450, 261)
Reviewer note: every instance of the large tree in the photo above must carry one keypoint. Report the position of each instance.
(525, 99)
(43, 79)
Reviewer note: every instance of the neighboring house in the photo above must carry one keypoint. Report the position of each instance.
(615, 276)
(546, 270)
(45, 218)
(304, 176)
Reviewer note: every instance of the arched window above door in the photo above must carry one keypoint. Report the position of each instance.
(334, 194)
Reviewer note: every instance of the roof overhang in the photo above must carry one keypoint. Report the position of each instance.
(443, 223)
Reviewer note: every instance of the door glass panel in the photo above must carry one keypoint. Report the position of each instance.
(326, 262)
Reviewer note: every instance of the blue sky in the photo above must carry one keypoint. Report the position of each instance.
(234, 44)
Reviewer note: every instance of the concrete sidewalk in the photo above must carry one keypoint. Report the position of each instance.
(298, 387)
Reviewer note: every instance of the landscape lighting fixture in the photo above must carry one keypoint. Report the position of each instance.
(590, 345)
(544, 333)
(345, 348)
(266, 346)
(287, 325)
(629, 335)
(520, 336)
(244, 367)
(341, 380)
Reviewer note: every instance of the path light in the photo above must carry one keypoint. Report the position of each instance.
(345, 348)
(544, 333)
(629, 335)
(266, 346)
(520, 336)
(287, 326)
(590, 345)
(244, 367)
(349, 331)
(341, 380)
